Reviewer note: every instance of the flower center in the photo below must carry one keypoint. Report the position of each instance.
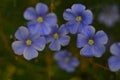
(28, 42)
(67, 59)
(56, 35)
(90, 42)
(40, 19)
(79, 18)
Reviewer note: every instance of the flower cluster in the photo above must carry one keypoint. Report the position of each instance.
(43, 29)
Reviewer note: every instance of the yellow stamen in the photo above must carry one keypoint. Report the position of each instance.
(28, 42)
(79, 18)
(67, 59)
(90, 42)
(56, 35)
(40, 19)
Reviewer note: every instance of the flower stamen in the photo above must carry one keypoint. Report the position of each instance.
(40, 19)
(28, 42)
(56, 35)
(79, 18)
(90, 42)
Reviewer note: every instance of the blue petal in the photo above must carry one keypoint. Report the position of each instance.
(69, 15)
(81, 27)
(87, 17)
(101, 37)
(18, 47)
(64, 40)
(74, 62)
(63, 30)
(30, 53)
(114, 63)
(51, 19)
(41, 9)
(54, 29)
(81, 40)
(86, 51)
(115, 49)
(32, 26)
(59, 55)
(55, 45)
(78, 8)
(69, 68)
(44, 29)
(98, 50)
(88, 31)
(22, 33)
(39, 43)
(72, 27)
(30, 14)
(49, 38)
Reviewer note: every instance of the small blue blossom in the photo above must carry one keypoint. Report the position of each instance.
(93, 44)
(39, 20)
(66, 61)
(77, 18)
(109, 15)
(58, 37)
(114, 61)
(28, 44)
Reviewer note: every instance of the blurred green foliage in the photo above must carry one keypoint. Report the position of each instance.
(13, 67)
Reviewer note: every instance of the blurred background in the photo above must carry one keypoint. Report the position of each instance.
(44, 67)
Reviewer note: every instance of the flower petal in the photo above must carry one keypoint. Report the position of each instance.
(22, 33)
(55, 45)
(88, 31)
(81, 27)
(32, 26)
(101, 37)
(87, 17)
(98, 50)
(64, 40)
(69, 15)
(41, 9)
(30, 53)
(78, 8)
(18, 47)
(114, 63)
(81, 40)
(63, 30)
(44, 29)
(49, 38)
(115, 49)
(74, 62)
(39, 43)
(30, 14)
(86, 51)
(51, 19)
(72, 27)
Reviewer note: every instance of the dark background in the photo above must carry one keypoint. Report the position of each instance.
(13, 67)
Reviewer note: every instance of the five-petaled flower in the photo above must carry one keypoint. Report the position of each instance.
(114, 61)
(39, 20)
(58, 37)
(66, 61)
(77, 18)
(93, 44)
(28, 43)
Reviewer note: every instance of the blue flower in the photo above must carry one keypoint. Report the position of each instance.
(58, 37)
(77, 18)
(114, 61)
(109, 15)
(39, 20)
(27, 43)
(93, 44)
(66, 61)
